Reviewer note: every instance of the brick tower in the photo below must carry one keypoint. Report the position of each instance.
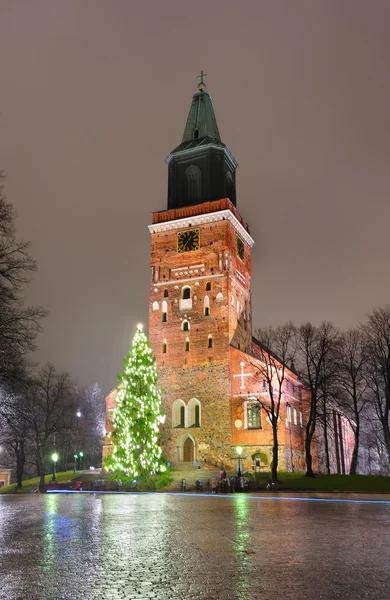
(200, 294)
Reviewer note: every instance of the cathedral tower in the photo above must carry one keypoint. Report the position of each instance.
(200, 294)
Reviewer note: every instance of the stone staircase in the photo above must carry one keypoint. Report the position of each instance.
(187, 471)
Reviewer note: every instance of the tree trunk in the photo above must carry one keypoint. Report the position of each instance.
(20, 462)
(353, 467)
(309, 458)
(275, 454)
(327, 460)
(356, 431)
(41, 469)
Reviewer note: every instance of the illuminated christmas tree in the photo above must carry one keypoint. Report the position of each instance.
(137, 415)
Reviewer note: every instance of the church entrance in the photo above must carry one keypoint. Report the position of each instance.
(188, 450)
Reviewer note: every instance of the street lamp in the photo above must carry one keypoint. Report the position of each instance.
(81, 454)
(54, 458)
(78, 414)
(239, 452)
(75, 463)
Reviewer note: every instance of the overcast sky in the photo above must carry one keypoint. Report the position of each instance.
(95, 94)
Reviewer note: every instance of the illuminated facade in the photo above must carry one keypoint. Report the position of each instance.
(200, 314)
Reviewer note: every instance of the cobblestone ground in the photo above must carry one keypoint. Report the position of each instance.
(172, 547)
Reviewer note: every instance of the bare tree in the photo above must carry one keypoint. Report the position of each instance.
(377, 336)
(51, 404)
(277, 350)
(15, 430)
(316, 348)
(19, 325)
(352, 393)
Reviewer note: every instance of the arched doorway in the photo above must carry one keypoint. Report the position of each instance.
(188, 450)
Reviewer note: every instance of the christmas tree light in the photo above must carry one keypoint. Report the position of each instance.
(137, 415)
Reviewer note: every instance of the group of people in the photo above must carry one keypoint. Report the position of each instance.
(223, 484)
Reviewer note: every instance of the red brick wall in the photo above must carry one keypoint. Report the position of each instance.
(202, 372)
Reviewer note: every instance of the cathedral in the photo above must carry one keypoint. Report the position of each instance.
(200, 315)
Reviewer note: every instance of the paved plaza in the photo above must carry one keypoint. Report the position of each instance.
(168, 546)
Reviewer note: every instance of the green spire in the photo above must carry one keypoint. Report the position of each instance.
(201, 128)
(201, 120)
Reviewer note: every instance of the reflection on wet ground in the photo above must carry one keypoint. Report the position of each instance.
(187, 547)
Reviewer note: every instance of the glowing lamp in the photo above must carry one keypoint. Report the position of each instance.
(140, 327)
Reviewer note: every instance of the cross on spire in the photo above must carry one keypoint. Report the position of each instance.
(242, 375)
(201, 76)
(201, 84)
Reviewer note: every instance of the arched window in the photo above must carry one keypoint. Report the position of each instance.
(253, 415)
(186, 292)
(194, 183)
(194, 413)
(185, 326)
(164, 311)
(206, 306)
(219, 297)
(210, 341)
(178, 414)
(155, 307)
(208, 286)
(164, 347)
(187, 345)
(196, 133)
(165, 293)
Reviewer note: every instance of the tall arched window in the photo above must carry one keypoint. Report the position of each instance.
(206, 306)
(210, 341)
(193, 413)
(187, 345)
(185, 326)
(164, 311)
(164, 347)
(197, 415)
(178, 414)
(186, 292)
(208, 286)
(194, 183)
(165, 293)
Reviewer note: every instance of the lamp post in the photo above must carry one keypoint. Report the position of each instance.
(54, 458)
(289, 427)
(75, 463)
(81, 454)
(239, 452)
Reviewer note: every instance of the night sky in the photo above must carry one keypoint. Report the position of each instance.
(95, 94)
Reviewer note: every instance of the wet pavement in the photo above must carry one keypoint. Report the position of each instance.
(167, 547)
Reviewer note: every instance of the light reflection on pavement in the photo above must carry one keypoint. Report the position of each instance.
(182, 546)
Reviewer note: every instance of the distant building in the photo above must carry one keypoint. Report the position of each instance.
(5, 476)
(200, 315)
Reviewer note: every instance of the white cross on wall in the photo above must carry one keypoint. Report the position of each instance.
(242, 375)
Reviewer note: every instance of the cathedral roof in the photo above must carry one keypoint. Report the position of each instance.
(201, 128)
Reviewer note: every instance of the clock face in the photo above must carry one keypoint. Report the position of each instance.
(240, 248)
(188, 241)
